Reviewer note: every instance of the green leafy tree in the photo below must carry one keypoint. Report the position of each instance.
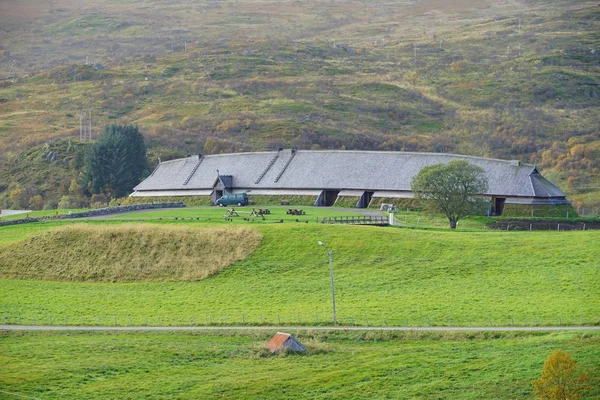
(36, 202)
(116, 163)
(558, 380)
(451, 189)
(17, 197)
(66, 202)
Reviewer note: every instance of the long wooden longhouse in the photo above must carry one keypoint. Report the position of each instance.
(328, 175)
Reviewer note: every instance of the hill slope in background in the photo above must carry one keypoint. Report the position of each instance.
(508, 79)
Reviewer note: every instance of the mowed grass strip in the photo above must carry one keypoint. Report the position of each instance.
(127, 253)
(373, 365)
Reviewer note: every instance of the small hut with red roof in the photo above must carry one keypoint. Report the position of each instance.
(284, 342)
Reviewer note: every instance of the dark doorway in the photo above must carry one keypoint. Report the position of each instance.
(330, 196)
(497, 205)
(365, 200)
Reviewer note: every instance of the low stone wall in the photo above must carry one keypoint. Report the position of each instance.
(19, 221)
(121, 209)
(96, 212)
(187, 200)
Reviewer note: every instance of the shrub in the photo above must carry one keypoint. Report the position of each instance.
(558, 380)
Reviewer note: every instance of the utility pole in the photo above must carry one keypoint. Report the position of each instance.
(415, 52)
(85, 125)
(12, 68)
(330, 254)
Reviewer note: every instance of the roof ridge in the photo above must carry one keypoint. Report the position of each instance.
(415, 153)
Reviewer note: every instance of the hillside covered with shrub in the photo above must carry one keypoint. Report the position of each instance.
(512, 80)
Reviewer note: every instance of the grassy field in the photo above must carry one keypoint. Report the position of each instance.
(383, 276)
(219, 214)
(338, 366)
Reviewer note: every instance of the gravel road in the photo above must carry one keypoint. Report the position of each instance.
(297, 328)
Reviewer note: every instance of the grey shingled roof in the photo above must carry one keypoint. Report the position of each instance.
(339, 169)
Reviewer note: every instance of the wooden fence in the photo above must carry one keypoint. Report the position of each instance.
(364, 220)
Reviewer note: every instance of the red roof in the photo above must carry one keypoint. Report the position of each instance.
(284, 341)
(277, 341)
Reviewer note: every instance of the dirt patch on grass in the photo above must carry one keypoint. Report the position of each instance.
(129, 253)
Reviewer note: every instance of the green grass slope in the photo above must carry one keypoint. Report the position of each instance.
(127, 253)
(227, 365)
(383, 276)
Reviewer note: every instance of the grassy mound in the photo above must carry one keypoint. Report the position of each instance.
(127, 253)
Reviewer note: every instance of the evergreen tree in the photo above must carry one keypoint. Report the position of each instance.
(116, 163)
